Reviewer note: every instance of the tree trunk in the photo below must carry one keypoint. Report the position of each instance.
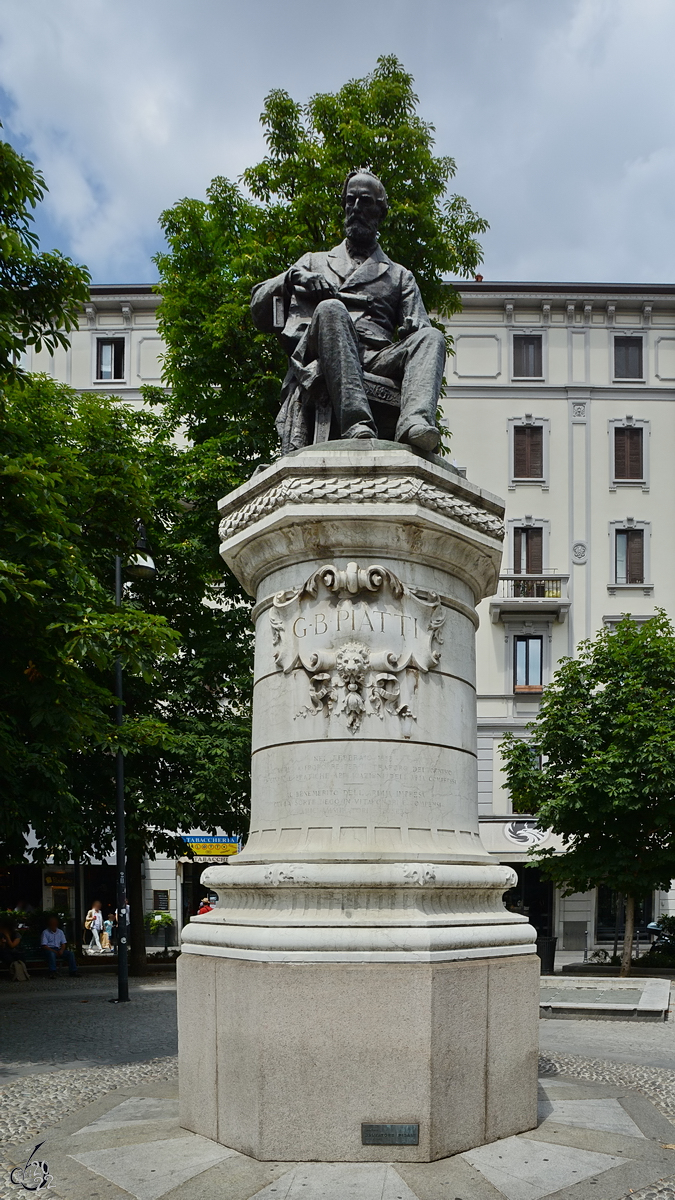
(628, 937)
(138, 963)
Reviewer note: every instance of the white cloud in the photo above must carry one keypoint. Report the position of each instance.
(560, 115)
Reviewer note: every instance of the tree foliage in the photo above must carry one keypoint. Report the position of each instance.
(72, 488)
(40, 294)
(606, 786)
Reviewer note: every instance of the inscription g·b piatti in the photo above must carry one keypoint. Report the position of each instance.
(362, 638)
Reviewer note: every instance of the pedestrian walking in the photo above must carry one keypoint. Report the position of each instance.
(54, 948)
(94, 923)
(10, 954)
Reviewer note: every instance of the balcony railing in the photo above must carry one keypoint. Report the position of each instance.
(547, 592)
(550, 586)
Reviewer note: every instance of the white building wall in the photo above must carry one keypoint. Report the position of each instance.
(577, 503)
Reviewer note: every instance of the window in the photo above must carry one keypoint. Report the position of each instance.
(528, 452)
(629, 555)
(527, 356)
(110, 358)
(527, 664)
(160, 901)
(628, 457)
(527, 551)
(528, 560)
(628, 358)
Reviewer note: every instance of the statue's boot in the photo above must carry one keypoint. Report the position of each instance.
(424, 437)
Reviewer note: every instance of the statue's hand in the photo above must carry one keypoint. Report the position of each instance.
(311, 283)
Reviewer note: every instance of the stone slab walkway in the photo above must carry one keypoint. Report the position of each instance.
(596, 1140)
(570, 997)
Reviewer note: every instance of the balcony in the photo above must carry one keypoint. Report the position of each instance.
(545, 594)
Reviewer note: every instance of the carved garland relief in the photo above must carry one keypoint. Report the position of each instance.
(362, 638)
(367, 490)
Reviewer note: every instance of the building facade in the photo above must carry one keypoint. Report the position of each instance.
(561, 399)
(117, 347)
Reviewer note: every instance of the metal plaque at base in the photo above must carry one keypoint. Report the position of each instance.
(390, 1135)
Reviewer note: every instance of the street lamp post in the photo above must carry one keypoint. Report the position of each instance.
(141, 566)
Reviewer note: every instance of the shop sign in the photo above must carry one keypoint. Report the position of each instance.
(213, 847)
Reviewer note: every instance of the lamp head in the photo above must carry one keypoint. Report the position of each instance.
(141, 565)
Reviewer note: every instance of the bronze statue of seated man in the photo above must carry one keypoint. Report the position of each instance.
(349, 317)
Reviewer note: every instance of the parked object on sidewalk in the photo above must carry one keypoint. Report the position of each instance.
(53, 942)
(546, 951)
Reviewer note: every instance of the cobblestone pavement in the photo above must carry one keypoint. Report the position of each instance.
(654, 1082)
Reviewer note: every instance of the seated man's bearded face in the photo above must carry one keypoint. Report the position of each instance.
(364, 208)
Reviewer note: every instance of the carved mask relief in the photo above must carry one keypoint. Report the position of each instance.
(362, 638)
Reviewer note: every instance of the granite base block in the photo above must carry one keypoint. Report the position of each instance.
(286, 1061)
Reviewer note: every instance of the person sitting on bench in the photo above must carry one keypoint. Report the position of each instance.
(53, 942)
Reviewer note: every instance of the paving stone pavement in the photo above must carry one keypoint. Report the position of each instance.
(63, 1021)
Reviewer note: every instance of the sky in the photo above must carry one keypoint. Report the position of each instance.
(559, 113)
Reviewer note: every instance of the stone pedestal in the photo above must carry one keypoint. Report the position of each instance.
(360, 967)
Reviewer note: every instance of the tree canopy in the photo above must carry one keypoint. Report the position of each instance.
(599, 766)
(72, 488)
(40, 294)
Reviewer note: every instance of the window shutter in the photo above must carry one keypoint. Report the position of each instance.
(620, 463)
(635, 556)
(520, 455)
(528, 452)
(518, 551)
(534, 551)
(634, 440)
(536, 455)
(518, 357)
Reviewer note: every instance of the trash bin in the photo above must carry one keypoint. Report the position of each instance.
(546, 951)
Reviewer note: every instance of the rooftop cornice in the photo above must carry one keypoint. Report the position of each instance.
(122, 289)
(501, 288)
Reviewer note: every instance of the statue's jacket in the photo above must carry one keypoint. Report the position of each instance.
(382, 298)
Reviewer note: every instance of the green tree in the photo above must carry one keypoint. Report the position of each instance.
(606, 786)
(40, 294)
(71, 490)
(77, 474)
(198, 775)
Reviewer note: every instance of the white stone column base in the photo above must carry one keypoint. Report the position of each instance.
(359, 912)
(287, 1061)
